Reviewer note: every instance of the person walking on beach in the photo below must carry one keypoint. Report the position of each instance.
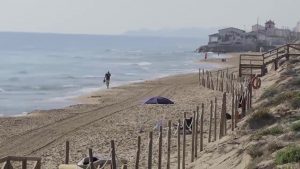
(107, 79)
(205, 55)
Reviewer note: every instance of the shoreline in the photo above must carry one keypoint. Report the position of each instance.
(83, 98)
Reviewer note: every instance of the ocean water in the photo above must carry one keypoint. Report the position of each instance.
(44, 71)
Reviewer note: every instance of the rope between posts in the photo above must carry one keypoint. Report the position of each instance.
(177, 128)
(105, 161)
(190, 126)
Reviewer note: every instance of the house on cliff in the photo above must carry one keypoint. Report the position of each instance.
(236, 40)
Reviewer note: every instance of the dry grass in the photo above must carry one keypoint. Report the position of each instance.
(276, 130)
(254, 151)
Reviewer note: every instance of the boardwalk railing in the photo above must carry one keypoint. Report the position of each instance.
(257, 63)
(9, 159)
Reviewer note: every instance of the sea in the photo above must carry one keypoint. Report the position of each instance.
(46, 71)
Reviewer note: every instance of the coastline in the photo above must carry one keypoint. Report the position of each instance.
(103, 115)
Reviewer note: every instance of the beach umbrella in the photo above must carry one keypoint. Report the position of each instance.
(159, 100)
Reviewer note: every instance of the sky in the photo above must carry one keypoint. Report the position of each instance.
(119, 16)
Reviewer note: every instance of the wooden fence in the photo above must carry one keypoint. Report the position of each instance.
(227, 83)
(9, 159)
(257, 63)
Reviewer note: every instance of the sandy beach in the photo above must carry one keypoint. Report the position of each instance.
(115, 114)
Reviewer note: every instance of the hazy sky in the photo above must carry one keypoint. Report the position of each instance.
(118, 16)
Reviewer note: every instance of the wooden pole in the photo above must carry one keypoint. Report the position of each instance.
(201, 128)
(224, 114)
(210, 121)
(159, 147)
(236, 109)
(215, 118)
(169, 144)
(250, 95)
(196, 129)
(184, 144)
(113, 155)
(193, 137)
(207, 79)
(232, 112)
(24, 164)
(222, 82)
(203, 78)
(137, 160)
(91, 159)
(178, 145)
(223, 118)
(199, 77)
(217, 85)
(150, 150)
(67, 152)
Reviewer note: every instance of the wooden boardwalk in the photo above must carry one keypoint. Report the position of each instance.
(257, 63)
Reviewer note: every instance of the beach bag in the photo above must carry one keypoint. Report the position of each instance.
(84, 163)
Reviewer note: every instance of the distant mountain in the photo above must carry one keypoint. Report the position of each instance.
(201, 33)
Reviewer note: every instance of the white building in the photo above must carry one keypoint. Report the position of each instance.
(257, 27)
(297, 28)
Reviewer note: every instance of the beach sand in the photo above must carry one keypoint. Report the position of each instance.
(115, 114)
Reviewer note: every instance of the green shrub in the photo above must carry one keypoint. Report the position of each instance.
(261, 118)
(282, 97)
(289, 155)
(272, 131)
(254, 151)
(296, 126)
(270, 92)
(295, 102)
(262, 113)
(274, 146)
(295, 81)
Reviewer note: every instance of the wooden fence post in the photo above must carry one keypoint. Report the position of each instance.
(196, 128)
(236, 109)
(184, 144)
(150, 150)
(207, 80)
(137, 160)
(193, 136)
(215, 118)
(67, 152)
(223, 117)
(224, 114)
(159, 147)
(24, 164)
(203, 78)
(91, 159)
(201, 128)
(232, 112)
(178, 145)
(169, 144)
(113, 155)
(210, 121)
(217, 85)
(199, 77)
